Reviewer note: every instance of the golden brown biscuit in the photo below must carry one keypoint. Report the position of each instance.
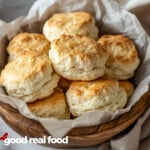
(77, 58)
(70, 23)
(64, 83)
(29, 78)
(25, 43)
(102, 94)
(52, 106)
(128, 86)
(123, 58)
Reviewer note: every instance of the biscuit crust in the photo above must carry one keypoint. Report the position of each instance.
(123, 58)
(128, 86)
(28, 78)
(77, 57)
(53, 106)
(28, 44)
(70, 23)
(102, 94)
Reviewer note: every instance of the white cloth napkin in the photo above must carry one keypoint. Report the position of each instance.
(138, 138)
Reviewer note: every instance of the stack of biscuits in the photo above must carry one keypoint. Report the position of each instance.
(69, 69)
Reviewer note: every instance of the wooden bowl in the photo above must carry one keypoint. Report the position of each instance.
(78, 137)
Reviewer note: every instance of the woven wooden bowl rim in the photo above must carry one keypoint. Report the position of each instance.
(81, 136)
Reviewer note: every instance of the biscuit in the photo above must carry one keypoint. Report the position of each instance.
(25, 43)
(123, 58)
(128, 86)
(53, 106)
(29, 78)
(70, 23)
(64, 83)
(95, 95)
(77, 57)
